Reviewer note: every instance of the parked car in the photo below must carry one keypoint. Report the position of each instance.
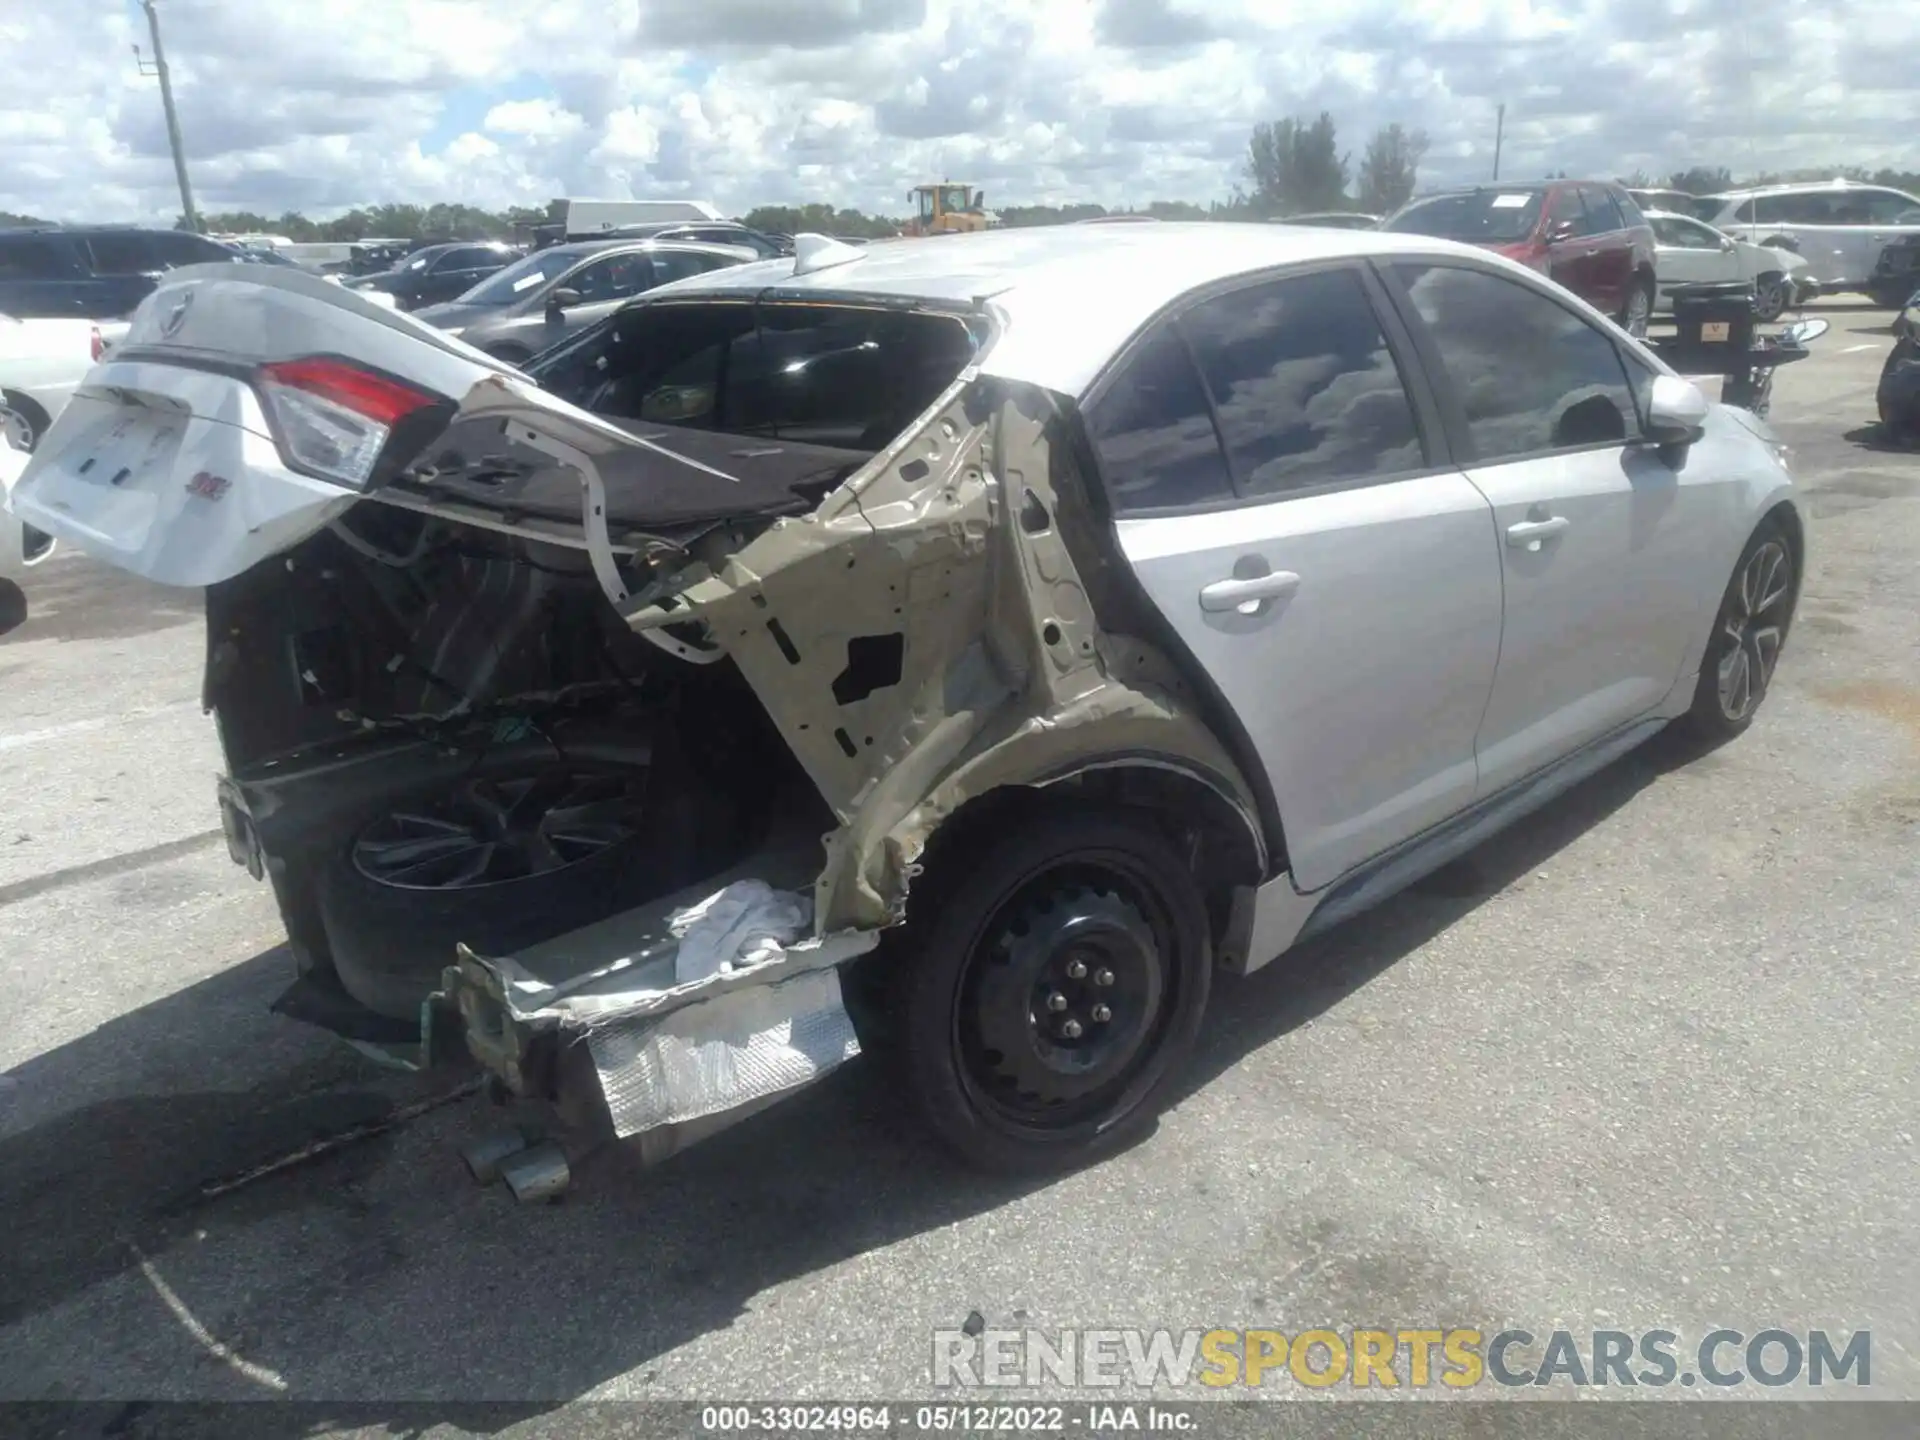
(1897, 397)
(543, 298)
(436, 273)
(1674, 202)
(41, 362)
(1333, 220)
(21, 547)
(714, 232)
(1898, 270)
(1118, 602)
(1691, 252)
(93, 272)
(1586, 235)
(1841, 227)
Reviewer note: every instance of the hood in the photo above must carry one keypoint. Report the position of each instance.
(454, 316)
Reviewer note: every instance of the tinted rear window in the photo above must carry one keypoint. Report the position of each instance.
(847, 377)
(32, 258)
(1478, 217)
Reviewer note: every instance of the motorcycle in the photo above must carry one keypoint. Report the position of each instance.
(1898, 394)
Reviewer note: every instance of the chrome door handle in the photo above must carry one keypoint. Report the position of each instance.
(1524, 533)
(1223, 595)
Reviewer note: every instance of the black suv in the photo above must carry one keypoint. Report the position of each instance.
(97, 273)
(434, 273)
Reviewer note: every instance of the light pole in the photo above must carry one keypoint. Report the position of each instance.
(159, 68)
(1499, 134)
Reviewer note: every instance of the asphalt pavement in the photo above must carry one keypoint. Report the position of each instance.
(1649, 1060)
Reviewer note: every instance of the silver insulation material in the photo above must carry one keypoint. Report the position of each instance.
(721, 1053)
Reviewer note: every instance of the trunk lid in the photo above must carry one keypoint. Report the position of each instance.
(174, 460)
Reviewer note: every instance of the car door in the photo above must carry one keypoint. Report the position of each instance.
(125, 268)
(1572, 260)
(1282, 494)
(454, 272)
(603, 283)
(1598, 535)
(41, 277)
(1611, 269)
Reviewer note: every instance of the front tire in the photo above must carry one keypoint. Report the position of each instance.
(1749, 632)
(1054, 988)
(1772, 296)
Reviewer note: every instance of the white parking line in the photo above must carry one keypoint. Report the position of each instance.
(259, 1374)
(97, 722)
(1851, 349)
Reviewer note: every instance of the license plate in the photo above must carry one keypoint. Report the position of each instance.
(1716, 330)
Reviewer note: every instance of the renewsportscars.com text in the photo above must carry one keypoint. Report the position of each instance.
(1450, 1358)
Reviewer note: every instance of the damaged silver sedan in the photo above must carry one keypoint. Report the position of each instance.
(963, 646)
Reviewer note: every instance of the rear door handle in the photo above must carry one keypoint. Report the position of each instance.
(1224, 595)
(1526, 533)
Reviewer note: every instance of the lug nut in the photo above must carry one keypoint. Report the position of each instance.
(1071, 1029)
(1103, 977)
(1056, 1002)
(1102, 1014)
(1076, 969)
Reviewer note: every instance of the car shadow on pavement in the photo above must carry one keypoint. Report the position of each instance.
(380, 1270)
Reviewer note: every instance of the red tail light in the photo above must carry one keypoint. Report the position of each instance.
(99, 346)
(379, 399)
(334, 419)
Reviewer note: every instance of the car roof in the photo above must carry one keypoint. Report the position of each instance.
(1068, 297)
(1803, 187)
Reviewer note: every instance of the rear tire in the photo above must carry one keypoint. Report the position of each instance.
(1637, 309)
(1053, 988)
(1749, 632)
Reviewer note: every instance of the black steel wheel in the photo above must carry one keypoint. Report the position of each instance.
(1055, 989)
(1748, 635)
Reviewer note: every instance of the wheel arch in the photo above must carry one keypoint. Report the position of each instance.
(25, 404)
(1786, 514)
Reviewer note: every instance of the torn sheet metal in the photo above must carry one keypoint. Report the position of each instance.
(948, 555)
(718, 1054)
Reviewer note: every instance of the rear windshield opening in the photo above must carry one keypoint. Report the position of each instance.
(1478, 217)
(839, 376)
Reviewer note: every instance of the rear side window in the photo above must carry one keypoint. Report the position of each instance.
(33, 258)
(122, 254)
(469, 258)
(185, 249)
(671, 265)
(1603, 216)
(838, 376)
(1629, 208)
(1154, 433)
(1305, 388)
(1530, 375)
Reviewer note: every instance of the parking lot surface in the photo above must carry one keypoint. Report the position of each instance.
(1646, 1061)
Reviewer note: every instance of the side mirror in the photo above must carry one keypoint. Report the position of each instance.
(13, 606)
(1726, 242)
(1676, 411)
(563, 299)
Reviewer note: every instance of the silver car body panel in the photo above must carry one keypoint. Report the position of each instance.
(1422, 683)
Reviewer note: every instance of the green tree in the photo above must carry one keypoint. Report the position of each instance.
(1296, 166)
(1390, 168)
(1700, 180)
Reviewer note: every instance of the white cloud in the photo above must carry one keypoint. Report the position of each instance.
(291, 105)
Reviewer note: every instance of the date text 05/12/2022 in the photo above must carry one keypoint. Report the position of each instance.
(944, 1418)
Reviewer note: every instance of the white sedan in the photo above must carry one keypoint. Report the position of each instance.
(20, 547)
(41, 363)
(1691, 252)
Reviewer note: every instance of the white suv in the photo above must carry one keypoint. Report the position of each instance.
(1839, 226)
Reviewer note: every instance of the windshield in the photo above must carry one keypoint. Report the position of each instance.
(1479, 217)
(521, 278)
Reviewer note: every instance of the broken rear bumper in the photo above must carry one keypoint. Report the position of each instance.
(598, 1018)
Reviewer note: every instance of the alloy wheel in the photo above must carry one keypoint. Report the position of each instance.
(491, 831)
(1770, 300)
(16, 428)
(1752, 629)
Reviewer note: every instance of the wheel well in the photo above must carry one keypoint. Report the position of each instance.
(26, 405)
(1788, 518)
(1201, 822)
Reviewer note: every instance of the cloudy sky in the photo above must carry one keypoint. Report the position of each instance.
(321, 105)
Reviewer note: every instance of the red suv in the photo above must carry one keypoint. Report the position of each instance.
(1587, 235)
